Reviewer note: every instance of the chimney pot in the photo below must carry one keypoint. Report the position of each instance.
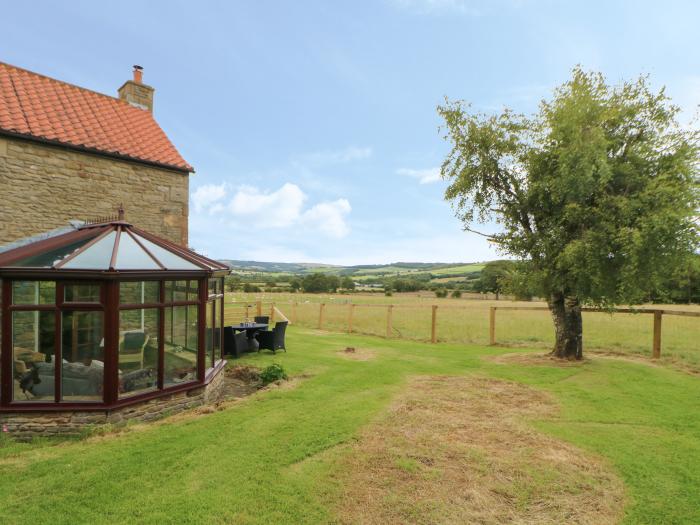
(138, 74)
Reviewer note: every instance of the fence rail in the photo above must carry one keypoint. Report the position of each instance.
(470, 324)
(658, 316)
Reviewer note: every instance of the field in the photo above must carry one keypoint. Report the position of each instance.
(310, 451)
(467, 321)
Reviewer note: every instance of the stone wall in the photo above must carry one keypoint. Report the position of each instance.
(42, 187)
(25, 425)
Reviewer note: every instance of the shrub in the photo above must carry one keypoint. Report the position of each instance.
(272, 373)
(456, 294)
(441, 293)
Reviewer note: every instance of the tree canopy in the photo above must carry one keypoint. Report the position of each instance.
(493, 276)
(320, 282)
(598, 191)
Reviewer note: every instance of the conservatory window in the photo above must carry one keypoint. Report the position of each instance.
(82, 293)
(33, 336)
(138, 351)
(33, 292)
(139, 292)
(180, 345)
(82, 356)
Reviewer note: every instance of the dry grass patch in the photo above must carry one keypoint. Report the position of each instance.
(663, 362)
(457, 450)
(357, 354)
(536, 359)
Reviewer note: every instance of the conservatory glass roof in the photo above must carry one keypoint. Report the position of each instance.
(112, 246)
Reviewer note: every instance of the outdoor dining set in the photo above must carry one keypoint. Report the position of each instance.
(254, 336)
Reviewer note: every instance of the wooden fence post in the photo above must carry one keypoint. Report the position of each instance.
(433, 327)
(247, 312)
(272, 313)
(492, 325)
(259, 308)
(351, 307)
(389, 315)
(656, 352)
(320, 316)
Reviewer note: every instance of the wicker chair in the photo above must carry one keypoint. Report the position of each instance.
(235, 343)
(262, 319)
(132, 348)
(272, 339)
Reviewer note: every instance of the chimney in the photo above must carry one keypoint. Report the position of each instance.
(136, 93)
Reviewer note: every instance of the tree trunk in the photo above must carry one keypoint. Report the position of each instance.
(568, 326)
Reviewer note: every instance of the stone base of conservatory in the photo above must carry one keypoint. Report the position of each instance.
(26, 425)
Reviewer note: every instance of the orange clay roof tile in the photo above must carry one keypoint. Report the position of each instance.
(45, 108)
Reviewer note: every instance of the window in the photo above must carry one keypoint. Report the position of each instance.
(210, 334)
(138, 351)
(33, 292)
(59, 339)
(193, 291)
(193, 326)
(33, 359)
(82, 356)
(214, 322)
(82, 293)
(181, 291)
(39, 346)
(180, 345)
(139, 292)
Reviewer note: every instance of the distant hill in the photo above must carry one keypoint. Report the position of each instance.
(275, 267)
(441, 272)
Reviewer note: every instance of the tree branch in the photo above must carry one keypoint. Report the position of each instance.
(488, 236)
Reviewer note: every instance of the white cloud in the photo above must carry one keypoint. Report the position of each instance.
(342, 156)
(208, 197)
(425, 176)
(277, 209)
(329, 218)
(251, 207)
(443, 247)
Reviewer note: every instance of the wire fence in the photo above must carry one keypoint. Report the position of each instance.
(670, 333)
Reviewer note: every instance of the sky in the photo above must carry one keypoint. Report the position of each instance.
(312, 125)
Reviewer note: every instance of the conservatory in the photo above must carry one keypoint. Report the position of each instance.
(103, 315)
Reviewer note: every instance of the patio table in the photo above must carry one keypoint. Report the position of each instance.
(250, 330)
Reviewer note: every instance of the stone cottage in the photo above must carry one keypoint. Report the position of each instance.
(70, 153)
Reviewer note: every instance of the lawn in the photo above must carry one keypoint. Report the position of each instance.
(274, 457)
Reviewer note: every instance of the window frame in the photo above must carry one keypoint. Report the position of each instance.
(59, 307)
(217, 317)
(110, 307)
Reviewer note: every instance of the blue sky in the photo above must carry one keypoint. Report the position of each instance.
(312, 124)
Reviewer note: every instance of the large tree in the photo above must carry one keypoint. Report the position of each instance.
(597, 192)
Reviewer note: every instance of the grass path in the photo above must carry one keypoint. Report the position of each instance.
(271, 458)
